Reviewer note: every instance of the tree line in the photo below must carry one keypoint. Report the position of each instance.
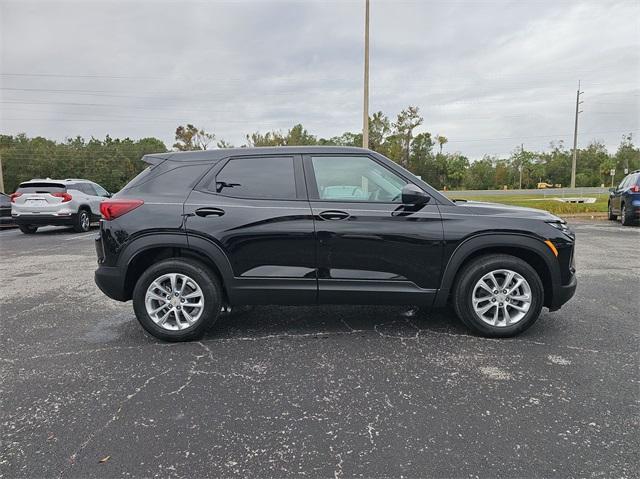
(113, 162)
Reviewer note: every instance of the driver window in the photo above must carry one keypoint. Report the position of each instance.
(356, 178)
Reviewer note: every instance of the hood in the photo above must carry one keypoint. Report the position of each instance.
(497, 209)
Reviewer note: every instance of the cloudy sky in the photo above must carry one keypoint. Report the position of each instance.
(489, 75)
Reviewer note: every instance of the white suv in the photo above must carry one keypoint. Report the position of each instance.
(71, 202)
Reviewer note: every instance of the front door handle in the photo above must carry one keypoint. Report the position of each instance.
(334, 215)
(209, 212)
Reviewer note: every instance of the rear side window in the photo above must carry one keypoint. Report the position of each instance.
(170, 177)
(85, 188)
(100, 190)
(259, 178)
(35, 187)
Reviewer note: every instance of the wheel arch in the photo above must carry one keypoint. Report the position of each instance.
(144, 252)
(529, 249)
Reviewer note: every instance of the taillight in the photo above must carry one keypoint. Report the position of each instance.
(65, 196)
(14, 196)
(112, 209)
(635, 189)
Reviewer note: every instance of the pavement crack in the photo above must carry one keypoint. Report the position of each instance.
(111, 420)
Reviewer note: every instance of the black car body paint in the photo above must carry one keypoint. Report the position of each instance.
(304, 249)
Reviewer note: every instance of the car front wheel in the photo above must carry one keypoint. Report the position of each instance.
(498, 295)
(177, 300)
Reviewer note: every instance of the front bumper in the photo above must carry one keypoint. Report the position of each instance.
(564, 293)
(44, 219)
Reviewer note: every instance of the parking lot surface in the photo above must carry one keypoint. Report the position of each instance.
(314, 391)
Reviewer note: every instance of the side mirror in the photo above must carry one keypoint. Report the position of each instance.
(412, 195)
(108, 195)
(612, 190)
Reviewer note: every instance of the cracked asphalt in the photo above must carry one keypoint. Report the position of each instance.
(314, 391)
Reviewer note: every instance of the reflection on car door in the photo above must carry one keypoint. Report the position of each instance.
(371, 248)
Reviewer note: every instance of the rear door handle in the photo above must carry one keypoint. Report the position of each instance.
(334, 215)
(209, 212)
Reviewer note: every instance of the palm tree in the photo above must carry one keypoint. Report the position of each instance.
(441, 141)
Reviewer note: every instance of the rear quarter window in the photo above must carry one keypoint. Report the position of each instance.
(169, 177)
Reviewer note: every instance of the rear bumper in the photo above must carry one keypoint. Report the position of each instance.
(110, 280)
(7, 222)
(45, 220)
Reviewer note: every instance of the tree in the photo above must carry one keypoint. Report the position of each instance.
(457, 165)
(421, 158)
(408, 119)
(298, 136)
(190, 138)
(224, 144)
(441, 141)
(379, 129)
(627, 157)
(481, 174)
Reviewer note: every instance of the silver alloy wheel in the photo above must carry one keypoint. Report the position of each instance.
(501, 298)
(174, 301)
(84, 221)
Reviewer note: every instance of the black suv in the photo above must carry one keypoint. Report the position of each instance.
(198, 232)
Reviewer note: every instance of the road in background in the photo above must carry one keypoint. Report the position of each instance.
(315, 391)
(568, 192)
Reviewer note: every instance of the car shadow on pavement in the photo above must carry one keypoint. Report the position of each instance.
(392, 321)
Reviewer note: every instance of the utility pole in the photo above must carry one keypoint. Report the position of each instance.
(365, 107)
(1, 177)
(575, 138)
(521, 162)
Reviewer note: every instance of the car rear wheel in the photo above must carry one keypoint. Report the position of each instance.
(28, 229)
(177, 300)
(612, 217)
(498, 295)
(83, 221)
(626, 216)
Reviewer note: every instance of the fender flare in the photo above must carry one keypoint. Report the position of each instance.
(491, 240)
(178, 239)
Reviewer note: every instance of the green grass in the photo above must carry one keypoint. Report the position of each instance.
(553, 206)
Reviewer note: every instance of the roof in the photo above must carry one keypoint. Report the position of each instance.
(218, 154)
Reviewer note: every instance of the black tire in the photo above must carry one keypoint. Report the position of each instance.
(28, 229)
(473, 272)
(611, 216)
(626, 216)
(206, 280)
(82, 222)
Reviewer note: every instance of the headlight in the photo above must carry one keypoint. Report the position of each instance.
(562, 226)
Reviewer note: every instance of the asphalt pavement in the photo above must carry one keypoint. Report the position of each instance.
(314, 391)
